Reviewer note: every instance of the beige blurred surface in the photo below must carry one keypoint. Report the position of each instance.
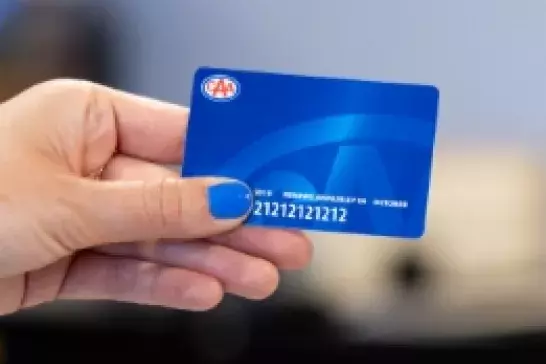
(483, 250)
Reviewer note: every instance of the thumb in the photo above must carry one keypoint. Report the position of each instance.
(172, 208)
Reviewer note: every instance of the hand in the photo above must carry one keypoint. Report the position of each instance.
(88, 212)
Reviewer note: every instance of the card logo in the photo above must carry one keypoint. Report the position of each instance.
(220, 88)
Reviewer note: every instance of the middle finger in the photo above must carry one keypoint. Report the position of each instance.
(241, 274)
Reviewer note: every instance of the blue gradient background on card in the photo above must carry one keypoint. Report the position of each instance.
(322, 154)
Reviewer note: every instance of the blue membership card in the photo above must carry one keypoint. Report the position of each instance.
(322, 154)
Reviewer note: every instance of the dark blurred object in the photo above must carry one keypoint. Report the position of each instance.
(410, 273)
(281, 334)
(234, 331)
(41, 42)
(2, 350)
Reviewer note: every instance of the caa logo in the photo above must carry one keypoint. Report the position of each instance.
(220, 88)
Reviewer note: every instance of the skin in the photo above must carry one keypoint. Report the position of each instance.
(87, 210)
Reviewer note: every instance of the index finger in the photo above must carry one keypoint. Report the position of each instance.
(148, 129)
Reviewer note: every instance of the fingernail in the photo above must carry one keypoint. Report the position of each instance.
(229, 200)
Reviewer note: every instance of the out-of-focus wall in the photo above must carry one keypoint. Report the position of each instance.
(485, 56)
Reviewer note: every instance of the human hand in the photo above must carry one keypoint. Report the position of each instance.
(87, 211)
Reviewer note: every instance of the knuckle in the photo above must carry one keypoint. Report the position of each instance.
(173, 205)
(162, 204)
(60, 89)
(84, 97)
(150, 206)
(171, 200)
(66, 84)
(90, 119)
(82, 93)
(86, 94)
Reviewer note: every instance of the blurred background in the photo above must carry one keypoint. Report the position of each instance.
(476, 283)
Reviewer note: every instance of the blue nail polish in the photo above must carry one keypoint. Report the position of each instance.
(229, 200)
